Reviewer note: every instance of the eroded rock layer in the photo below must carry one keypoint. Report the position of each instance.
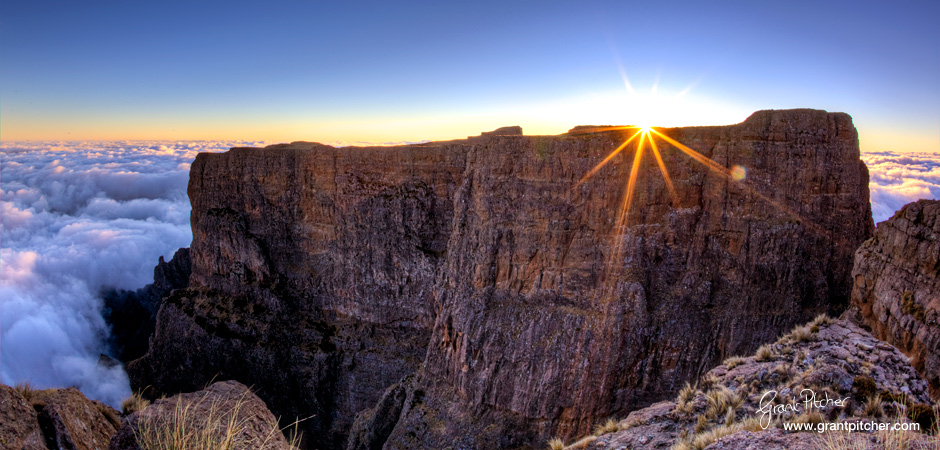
(897, 286)
(323, 276)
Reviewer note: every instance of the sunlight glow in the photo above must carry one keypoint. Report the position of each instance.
(737, 175)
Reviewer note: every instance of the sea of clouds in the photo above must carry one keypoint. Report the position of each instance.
(78, 217)
(901, 178)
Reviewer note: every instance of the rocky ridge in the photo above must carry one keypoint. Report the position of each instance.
(476, 269)
(897, 286)
(824, 360)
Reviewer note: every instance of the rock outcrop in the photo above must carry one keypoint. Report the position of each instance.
(225, 412)
(323, 276)
(132, 315)
(853, 377)
(55, 419)
(72, 421)
(19, 428)
(897, 286)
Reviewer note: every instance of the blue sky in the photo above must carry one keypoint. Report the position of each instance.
(390, 71)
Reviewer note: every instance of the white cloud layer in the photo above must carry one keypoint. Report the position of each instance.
(900, 178)
(76, 217)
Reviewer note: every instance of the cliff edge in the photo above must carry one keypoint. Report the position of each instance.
(897, 286)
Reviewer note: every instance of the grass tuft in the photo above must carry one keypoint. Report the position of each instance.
(734, 361)
(821, 320)
(556, 444)
(611, 426)
(874, 407)
(707, 438)
(134, 403)
(764, 353)
(684, 402)
(721, 400)
(802, 334)
(26, 389)
(701, 424)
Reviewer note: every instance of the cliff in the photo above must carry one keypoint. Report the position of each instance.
(897, 286)
(484, 273)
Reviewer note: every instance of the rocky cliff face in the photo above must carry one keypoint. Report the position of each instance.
(897, 286)
(324, 276)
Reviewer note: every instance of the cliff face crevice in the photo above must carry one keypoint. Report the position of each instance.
(483, 265)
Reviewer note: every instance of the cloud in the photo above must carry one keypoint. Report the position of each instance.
(900, 178)
(74, 218)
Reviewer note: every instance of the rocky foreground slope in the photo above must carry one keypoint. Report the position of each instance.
(467, 294)
(225, 415)
(823, 373)
(897, 286)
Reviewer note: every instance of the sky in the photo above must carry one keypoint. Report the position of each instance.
(359, 71)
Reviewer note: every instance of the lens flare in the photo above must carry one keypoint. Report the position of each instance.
(737, 175)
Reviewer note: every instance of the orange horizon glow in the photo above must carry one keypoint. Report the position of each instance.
(368, 132)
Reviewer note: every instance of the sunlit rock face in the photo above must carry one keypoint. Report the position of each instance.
(324, 276)
(897, 286)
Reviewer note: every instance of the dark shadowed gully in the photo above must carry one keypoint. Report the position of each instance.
(465, 294)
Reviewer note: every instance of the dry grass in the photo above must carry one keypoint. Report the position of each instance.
(814, 417)
(764, 353)
(611, 426)
(26, 389)
(834, 440)
(729, 418)
(821, 320)
(701, 424)
(802, 334)
(581, 443)
(189, 428)
(708, 381)
(721, 400)
(874, 407)
(707, 438)
(556, 444)
(682, 444)
(734, 361)
(685, 401)
(134, 403)
(882, 439)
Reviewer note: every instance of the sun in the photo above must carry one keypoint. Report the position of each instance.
(644, 139)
